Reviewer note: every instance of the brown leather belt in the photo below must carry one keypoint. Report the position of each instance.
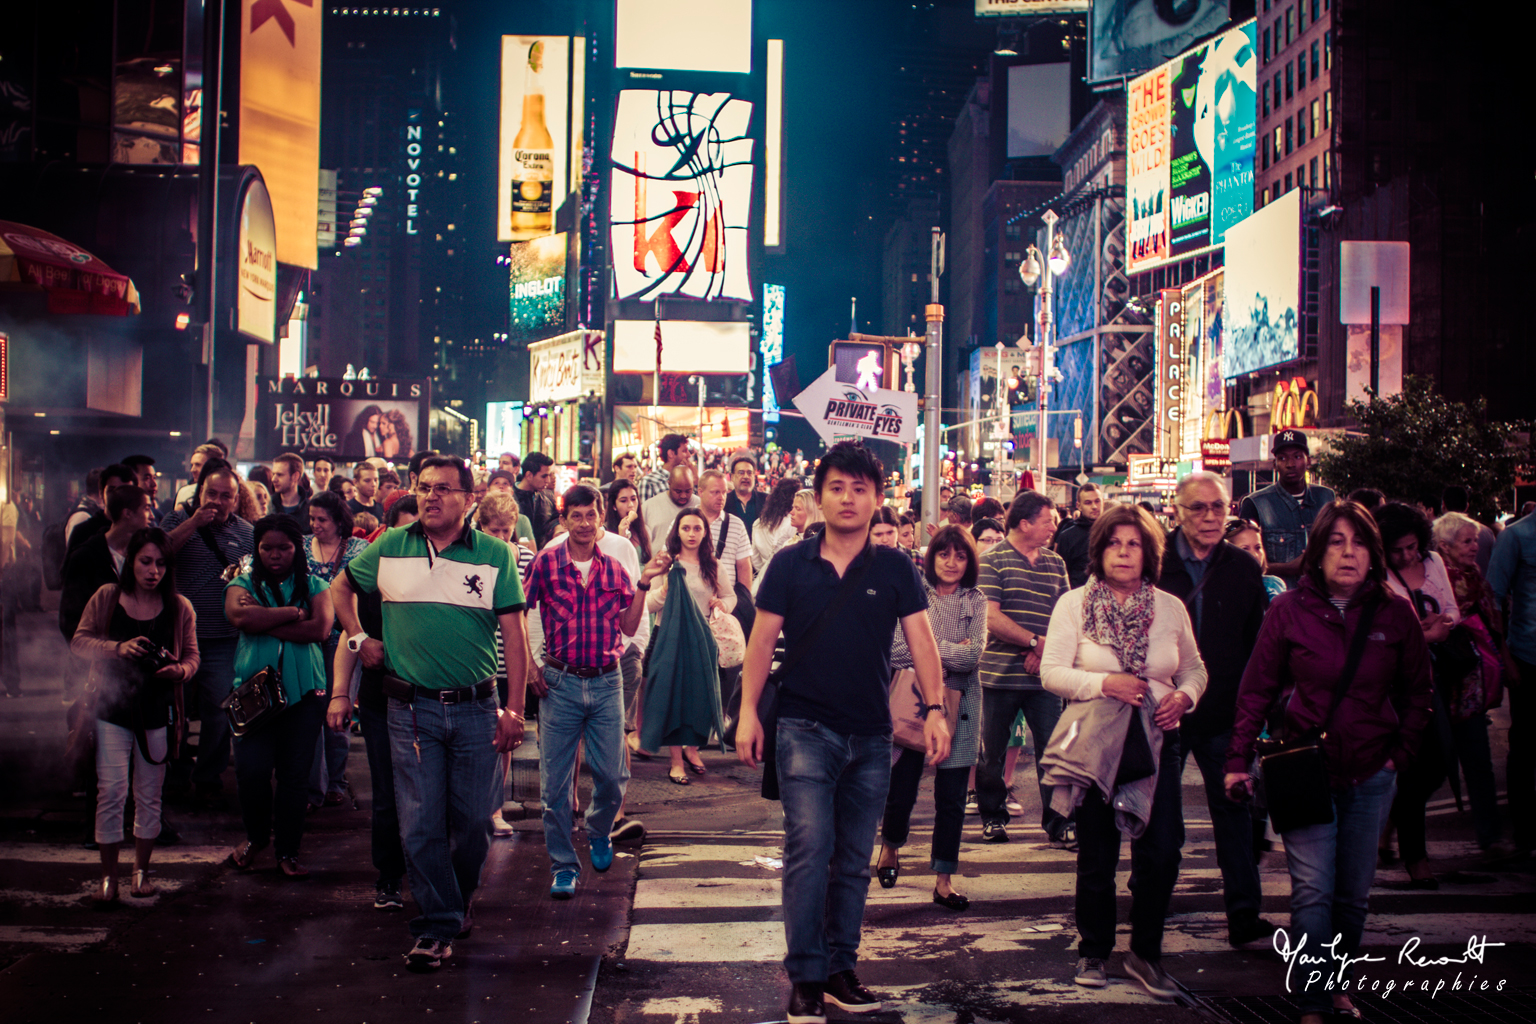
(584, 673)
(394, 686)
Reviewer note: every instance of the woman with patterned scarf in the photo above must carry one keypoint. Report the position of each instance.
(1120, 639)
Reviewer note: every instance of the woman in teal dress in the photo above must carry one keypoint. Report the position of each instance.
(284, 616)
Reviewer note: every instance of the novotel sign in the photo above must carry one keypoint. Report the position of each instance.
(1171, 358)
(413, 175)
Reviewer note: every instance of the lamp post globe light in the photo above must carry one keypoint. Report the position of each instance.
(1045, 271)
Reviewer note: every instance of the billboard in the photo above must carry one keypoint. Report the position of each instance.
(681, 195)
(770, 346)
(1039, 108)
(1022, 8)
(256, 266)
(1263, 264)
(1127, 394)
(567, 367)
(280, 116)
(686, 346)
(540, 157)
(1127, 37)
(1193, 129)
(348, 419)
(536, 287)
(503, 428)
(683, 35)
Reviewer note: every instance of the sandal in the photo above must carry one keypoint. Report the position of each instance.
(142, 887)
(681, 780)
(242, 856)
(105, 895)
(289, 867)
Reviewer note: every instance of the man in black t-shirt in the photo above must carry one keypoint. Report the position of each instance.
(833, 739)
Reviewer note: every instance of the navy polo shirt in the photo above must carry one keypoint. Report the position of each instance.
(843, 681)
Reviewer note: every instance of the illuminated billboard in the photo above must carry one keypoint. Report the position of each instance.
(681, 195)
(771, 346)
(503, 428)
(540, 157)
(536, 287)
(1192, 131)
(1015, 8)
(683, 35)
(686, 346)
(256, 296)
(567, 367)
(280, 117)
(1126, 37)
(1263, 264)
(351, 419)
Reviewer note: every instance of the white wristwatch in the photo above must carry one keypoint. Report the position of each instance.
(355, 643)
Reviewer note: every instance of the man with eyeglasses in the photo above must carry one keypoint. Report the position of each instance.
(1287, 507)
(1222, 586)
(446, 589)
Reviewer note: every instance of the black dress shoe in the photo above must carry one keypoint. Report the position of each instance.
(887, 876)
(844, 991)
(954, 901)
(805, 1004)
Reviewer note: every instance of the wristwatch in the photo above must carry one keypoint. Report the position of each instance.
(355, 642)
(1034, 641)
(934, 707)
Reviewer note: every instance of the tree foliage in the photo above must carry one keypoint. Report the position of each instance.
(1415, 444)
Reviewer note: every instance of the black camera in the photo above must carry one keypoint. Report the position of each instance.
(155, 660)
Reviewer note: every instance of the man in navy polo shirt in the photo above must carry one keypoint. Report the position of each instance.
(834, 722)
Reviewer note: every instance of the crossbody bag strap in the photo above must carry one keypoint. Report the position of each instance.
(851, 582)
(725, 526)
(207, 535)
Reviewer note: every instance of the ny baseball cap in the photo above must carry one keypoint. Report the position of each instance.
(1289, 439)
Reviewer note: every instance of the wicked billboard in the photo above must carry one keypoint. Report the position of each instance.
(349, 419)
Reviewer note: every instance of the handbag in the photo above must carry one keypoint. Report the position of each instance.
(729, 640)
(907, 715)
(258, 700)
(1294, 773)
(745, 611)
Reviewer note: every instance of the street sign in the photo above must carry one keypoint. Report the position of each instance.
(840, 411)
(1081, 479)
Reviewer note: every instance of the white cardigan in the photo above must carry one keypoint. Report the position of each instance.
(1075, 667)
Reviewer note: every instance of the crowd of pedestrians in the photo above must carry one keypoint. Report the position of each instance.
(807, 621)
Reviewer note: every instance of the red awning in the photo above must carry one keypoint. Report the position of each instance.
(76, 281)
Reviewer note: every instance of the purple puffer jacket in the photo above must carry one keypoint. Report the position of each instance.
(1303, 645)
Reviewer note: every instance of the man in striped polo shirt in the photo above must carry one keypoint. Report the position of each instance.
(446, 589)
(1021, 580)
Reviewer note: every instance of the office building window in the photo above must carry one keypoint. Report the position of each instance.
(1266, 99)
(1328, 50)
(1287, 183)
(1290, 81)
(1301, 17)
(1279, 141)
(1301, 129)
(1290, 25)
(1301, 70)
(1265, 158)
(1277, 92)
(1327, 168)
(1316, 60)
(1317, 124)
(1266, 6)
(1314, 10)
(1278, 34)
(1312, 172)
(1264, 198)
(1328, 109)
(1266, 46)
(1288, 137)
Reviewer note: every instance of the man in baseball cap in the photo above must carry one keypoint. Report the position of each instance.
(1286, 508)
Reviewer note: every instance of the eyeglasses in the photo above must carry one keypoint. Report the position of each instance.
(1200, 509)
(438, 491)
(1237, 526)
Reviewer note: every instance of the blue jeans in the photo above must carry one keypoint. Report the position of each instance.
(1232, 823)
(833, 788)
(331, 755)
(1331, 870)
(443, 796)
(388, 856)
(577, 708)
(1042, 710)
(215, 678)
(285, 749)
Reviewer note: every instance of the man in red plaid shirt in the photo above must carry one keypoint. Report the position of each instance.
(587, 602)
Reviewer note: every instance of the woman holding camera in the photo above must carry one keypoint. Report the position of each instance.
(284, 615)
(141, 639)
(1370, 708)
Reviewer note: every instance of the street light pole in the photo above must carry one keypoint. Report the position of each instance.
(933, 404)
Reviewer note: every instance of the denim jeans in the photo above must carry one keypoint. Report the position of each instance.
(1042, 710)
(285, 748)
(1155, 856)
(575, 709)
(833, 788)
(948, 809)
(443, 796)
(326, 776)
(1331, 870)
(388, 856)
(1233, 824)
(1472, 751)
(215, 678)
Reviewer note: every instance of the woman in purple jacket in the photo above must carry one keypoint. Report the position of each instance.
(1372, 734)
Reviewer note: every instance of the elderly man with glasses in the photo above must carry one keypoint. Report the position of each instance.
(1222, 587)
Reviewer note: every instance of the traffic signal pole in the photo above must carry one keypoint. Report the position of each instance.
(933, 406)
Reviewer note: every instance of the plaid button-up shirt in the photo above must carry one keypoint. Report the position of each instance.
(581, 623)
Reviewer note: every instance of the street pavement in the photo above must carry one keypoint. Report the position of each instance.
(684, 929)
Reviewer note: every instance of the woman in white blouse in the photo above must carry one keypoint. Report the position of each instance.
(1119, 638)
(775, 528)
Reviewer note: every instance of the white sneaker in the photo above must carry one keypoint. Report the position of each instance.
(499, 826)
(1013, 805)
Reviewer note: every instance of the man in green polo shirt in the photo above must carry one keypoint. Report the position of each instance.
(446, 589)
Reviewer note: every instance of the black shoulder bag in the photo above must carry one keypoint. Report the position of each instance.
(258, 700)
(745, 611)
(1294, 773)
(768, 700)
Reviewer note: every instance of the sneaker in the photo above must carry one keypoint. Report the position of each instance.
(844, 991)
(564, 886)
(1150, 974)
(1012, 804)
(428, 954)
(971, 806)
(499, 826)
(386, 895)
(805, 1004)
(627, 830)
(602, 854)
(994, 832)
(1244, 930)
(1091, 973)
(1066, 839)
